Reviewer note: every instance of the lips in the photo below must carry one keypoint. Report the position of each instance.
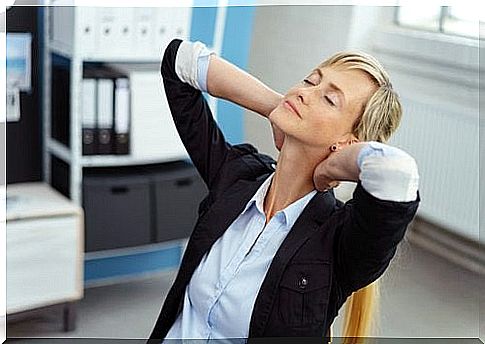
(291, 107)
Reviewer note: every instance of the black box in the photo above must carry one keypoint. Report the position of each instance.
(177, 195)
(117, 211)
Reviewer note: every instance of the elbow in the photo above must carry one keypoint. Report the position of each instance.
(391, 178)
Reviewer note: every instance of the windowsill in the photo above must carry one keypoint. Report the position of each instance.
(435, 68)
(460, 53)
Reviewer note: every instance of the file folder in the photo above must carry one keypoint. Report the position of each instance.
(122, 116)
(108, 118)
(105, 115)
(88, 113)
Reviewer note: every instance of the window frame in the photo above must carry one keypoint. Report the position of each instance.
(443, 17)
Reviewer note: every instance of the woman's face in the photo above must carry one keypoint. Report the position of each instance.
(321, 109)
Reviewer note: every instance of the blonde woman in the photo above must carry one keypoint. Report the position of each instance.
(274, 253)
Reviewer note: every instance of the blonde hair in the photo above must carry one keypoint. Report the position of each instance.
(379, 120)
(382, 113)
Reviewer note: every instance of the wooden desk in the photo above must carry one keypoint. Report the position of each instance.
(45, 250)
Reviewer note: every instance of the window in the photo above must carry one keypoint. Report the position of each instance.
(467, 21)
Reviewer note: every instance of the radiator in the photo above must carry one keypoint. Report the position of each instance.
(445, 144)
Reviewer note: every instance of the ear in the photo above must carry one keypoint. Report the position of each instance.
(348, 139)
(353, 139)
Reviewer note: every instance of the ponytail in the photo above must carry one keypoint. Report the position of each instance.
(360, 311)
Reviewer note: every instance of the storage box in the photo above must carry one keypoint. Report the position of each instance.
(177, 197)
(117, 211)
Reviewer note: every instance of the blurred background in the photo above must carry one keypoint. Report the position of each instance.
(101, 195)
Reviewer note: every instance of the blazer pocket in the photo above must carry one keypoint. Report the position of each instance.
(303, 293)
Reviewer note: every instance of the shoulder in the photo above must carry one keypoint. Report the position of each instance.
(244, 162)
(249, 162)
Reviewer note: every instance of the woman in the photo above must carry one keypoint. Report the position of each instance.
(273, 253)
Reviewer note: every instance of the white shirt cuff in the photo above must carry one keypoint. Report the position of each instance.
(192, 64)
(388, 173)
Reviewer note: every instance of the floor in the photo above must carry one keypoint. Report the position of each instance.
(421, 296)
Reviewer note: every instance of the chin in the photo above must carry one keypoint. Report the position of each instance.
(289, 123)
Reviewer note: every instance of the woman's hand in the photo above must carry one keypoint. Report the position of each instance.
(338, 166)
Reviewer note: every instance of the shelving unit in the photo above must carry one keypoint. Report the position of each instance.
(77, 57)
(208, 25)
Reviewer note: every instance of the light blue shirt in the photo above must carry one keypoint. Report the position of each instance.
(220, 296)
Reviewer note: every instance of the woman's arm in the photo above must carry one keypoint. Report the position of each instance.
(202, 138)
(210, 73)
(227, 81)
(376, 218)
(386, 172)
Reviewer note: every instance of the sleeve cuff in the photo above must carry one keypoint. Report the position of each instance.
(192, 64)
(388, 173)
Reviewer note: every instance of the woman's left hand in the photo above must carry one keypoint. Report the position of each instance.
(340, 165)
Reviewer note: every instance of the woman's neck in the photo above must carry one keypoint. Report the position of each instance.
(293, 177)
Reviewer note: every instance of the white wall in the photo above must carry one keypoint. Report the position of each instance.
(435, 75)
(288, 42)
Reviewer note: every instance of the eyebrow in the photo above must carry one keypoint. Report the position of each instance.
(332, 85)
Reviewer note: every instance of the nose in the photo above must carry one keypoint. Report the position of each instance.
(305, 94)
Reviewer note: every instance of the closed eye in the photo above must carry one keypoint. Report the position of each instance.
(308, 82)
(329, 101)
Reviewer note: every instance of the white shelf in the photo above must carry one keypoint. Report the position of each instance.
(64, 153)
(59, 150)
(60, 49)
(122, 160)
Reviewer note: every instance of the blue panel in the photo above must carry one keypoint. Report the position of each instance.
(205, 3)
(203, 24)
(128, 265)
(235, 48)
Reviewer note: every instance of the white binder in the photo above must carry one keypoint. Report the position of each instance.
(124, 31)
(107, 31)
(143, 39)
(105, 103)
(122, 106)
(105, 116)
(88, 105)
(86, 23)
(88, 116)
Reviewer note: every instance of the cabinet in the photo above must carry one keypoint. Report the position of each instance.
(78, 36)
(45, 248)
(133, 38)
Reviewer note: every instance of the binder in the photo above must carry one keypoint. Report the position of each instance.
(122, 117)
(88, 113)
(105, 100)
(144, 24)
(107, 31)
(107, 112)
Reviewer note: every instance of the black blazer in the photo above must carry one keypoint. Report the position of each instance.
(337, 248)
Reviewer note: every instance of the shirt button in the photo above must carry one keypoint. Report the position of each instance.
(303, 282)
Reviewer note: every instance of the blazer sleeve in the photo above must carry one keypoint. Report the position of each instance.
(193, 119)
(372, 228)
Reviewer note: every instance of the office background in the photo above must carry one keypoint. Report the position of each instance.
(437, 76)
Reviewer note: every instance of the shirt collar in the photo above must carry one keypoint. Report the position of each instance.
(291, 212)
(259, 196)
